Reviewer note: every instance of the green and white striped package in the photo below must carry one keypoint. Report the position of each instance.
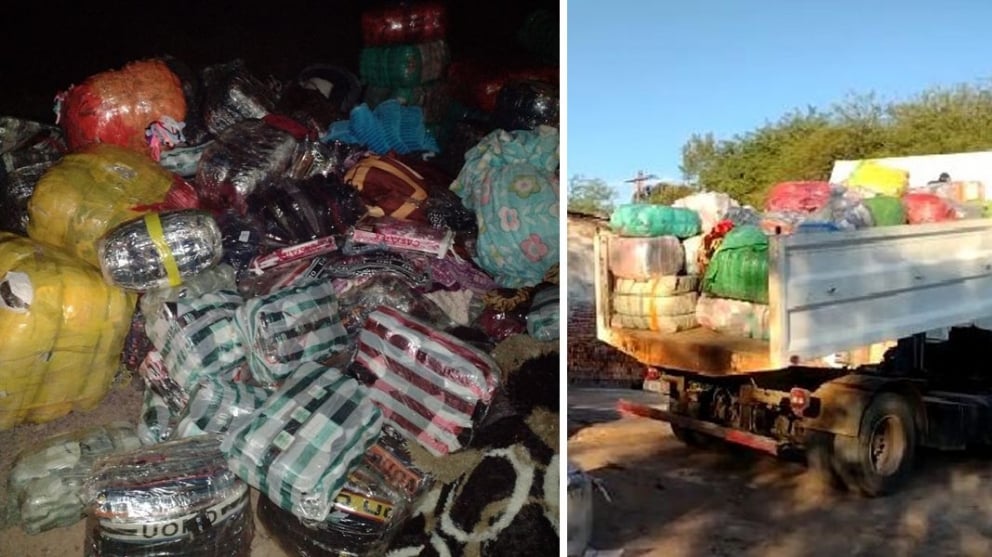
(157, 420)
(543, 319)
(290, 326)
(215, 406)
(299, 447)
(197, 337)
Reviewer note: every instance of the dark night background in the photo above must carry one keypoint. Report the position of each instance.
(51, 45)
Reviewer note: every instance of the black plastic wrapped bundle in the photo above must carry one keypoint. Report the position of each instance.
(297, 211)
(233, 94)
(241, 160)
(367, 512)
(242, 237)
(160, 250)
(320, 95)
(525, 105)
(195, 131)
(170, 499)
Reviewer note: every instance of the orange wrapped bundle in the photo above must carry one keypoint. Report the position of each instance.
(119, 106)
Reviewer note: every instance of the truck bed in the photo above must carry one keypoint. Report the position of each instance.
(699, 350)
(852, 292)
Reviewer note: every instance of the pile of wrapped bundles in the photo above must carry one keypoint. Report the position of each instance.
(703, 261)
(312, 304)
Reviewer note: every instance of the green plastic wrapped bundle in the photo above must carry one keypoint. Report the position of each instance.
(405, 65)
(654, 220)
(886, 210)
(739, 268)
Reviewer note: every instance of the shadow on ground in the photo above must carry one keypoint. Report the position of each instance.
(671, 500)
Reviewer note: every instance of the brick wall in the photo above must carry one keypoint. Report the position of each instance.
(592, 362)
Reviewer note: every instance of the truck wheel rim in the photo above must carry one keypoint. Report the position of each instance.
(887, 445)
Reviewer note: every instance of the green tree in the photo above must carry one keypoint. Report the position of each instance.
(803, 144)
(590, 195)
(665, 194)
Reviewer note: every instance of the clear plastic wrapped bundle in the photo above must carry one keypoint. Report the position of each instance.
(27, 150)
(242, 236)
(525, 105)
(712, 207)
(219, 277)
(45, 486)
(157, 379)
(137, 345)
(291, 326)
(183, 161)
(375, 263)
(157, 420)
(300, 446)
(430, 385)
(404, 65)
(390, 457)
(57, 316)
(297, 211)
(160, 249)
(733, 317)
(454, 272)
(215, 406)
(172, 499)
(241, 161)
(408, 22)
(644, 258)
(233, 94)
(357, 301)
(197, 337)
(544, 317)
(399, 235)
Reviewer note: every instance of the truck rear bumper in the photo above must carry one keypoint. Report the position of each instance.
(730, 435)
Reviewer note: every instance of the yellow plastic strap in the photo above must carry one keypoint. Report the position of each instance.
(154, 225)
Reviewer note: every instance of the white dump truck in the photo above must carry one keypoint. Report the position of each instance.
(878, 344)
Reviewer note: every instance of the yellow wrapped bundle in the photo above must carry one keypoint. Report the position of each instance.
(881, 179)
(62, 329)
(91, 191)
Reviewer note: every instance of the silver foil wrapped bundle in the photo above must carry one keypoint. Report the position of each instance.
(160, 249)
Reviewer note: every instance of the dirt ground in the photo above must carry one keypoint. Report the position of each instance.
(672, 501)
(123, 403)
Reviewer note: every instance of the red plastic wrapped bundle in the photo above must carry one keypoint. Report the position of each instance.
(404, 23)
(798, 197)
(927, 207)
(117, 106)
(479, 84)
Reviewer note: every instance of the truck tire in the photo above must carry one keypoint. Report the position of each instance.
(820, 459)
(693, 438)
(880, 459)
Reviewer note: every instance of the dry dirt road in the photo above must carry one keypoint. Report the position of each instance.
(672, 501)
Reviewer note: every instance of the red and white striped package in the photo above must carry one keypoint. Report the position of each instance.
(429, 385)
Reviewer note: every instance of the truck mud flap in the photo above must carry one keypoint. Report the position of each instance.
(730, 435)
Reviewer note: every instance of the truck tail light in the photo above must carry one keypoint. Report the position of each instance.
(799, 399)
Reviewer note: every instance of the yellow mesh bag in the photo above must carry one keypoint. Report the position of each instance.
(881, 179)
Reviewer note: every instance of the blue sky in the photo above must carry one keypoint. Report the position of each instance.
(643, 76)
